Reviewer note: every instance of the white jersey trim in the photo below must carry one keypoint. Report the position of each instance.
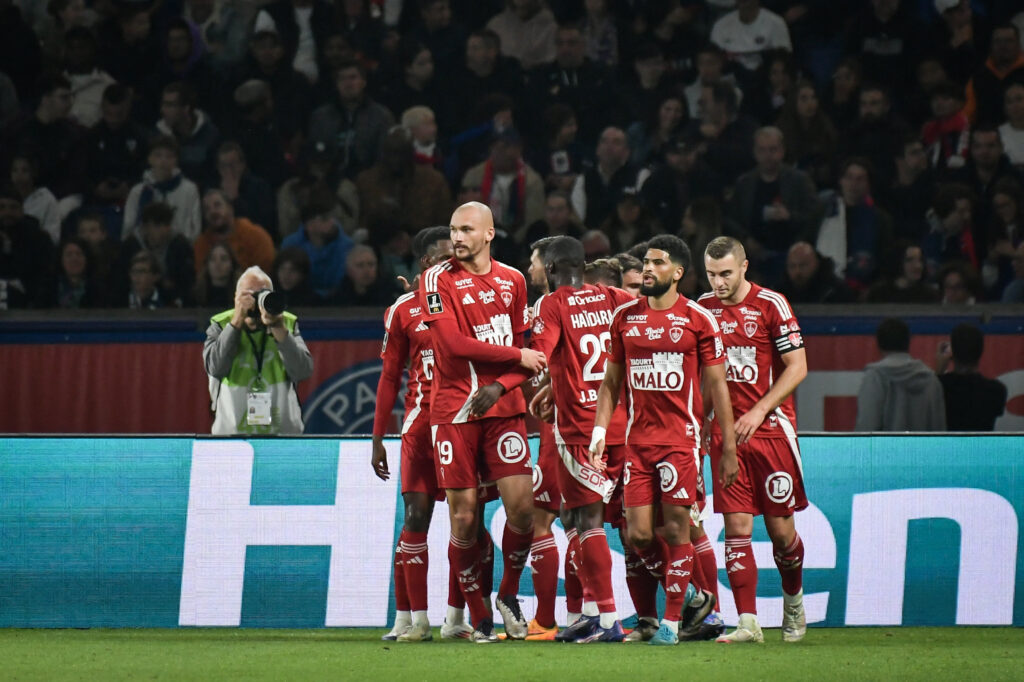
(463, 415)
(780, 302)
(706, 313)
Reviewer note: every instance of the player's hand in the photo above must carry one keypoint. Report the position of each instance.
(748, 424)
(540, 404)
(728, 467)
(595, 452)
(533, 360)
(379, 460)
(406, 284)
(485, 398)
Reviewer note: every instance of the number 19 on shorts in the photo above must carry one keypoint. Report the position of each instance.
(445, 452)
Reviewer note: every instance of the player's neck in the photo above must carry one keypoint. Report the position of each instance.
(741, 293)
(665, 301)
(479, 265)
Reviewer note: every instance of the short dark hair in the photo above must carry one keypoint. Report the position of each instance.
(893, 335)
(488, 36)
(350, 63)
(604, 270)
(231, 146)
(320, 204)
(947, 195)
(676, 248)
(984, 127)
(541, 245)
(185, 92)
(116, 93)
(637, 251)
(164, 142)
(157, 213)
(427, 237)
(967, 343)
(563, 251)
(724, 92)
(720, 247)
(149, 259)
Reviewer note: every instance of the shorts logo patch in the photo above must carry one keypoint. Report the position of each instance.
(511, 448)
(779, 487)
(434, 303)
(538, 478)
(669, 476)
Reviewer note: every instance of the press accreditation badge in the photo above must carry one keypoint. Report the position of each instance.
(258, 409)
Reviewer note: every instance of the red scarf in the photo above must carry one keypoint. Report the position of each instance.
(510, 215)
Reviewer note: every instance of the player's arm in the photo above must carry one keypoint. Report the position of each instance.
(794, 372)
(718, 390)
(485, 397)
(394, 352)
(607, 399)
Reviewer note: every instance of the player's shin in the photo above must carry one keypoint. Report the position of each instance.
(790, 561)
(742, 570)
(597, 573)
(515, 548)
(573, 586)
(677, 578)
(414, 550)
(464, 555)
(544, 569)
(704, 560)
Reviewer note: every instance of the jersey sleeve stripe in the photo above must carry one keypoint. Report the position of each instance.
(706, 313)
(394, 307)
(703, 296)
(778, 300)
(623, 307)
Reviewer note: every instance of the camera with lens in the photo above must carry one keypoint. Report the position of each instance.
(272, 302)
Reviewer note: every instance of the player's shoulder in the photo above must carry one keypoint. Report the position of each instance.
(702, 312)
(501, 270)
(773, 300)
(631, 306)
(400, 306)
(708, 300)
(434, 276)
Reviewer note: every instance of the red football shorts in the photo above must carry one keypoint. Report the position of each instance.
(481, 450)
(417, 467)
(581, 484)
(665, 473)
(770, 480)
(546, 487)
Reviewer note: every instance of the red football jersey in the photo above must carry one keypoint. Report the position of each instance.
(406, 337)
(663, 352)
(571, 328)
(491, 308)
(756, 333)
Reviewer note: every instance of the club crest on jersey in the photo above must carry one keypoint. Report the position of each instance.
(538, 325)
(655, 334)
(486, 296)
(506, 297)
(675, 333)
(750, 328)
(434, 303)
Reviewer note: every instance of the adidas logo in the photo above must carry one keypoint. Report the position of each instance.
(414, 560)
(680, 495)
(633, 331)
(468, 298)
(422, 327)
(737, 566)
(543, 497)
(673, 588)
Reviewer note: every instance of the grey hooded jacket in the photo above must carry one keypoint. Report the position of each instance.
(900, 393)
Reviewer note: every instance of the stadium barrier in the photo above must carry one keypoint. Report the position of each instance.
(298, 532)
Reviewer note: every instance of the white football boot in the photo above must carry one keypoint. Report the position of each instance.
(794, 622)
(748, 630)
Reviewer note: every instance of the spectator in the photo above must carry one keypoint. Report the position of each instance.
(648, 138)
(1005, 65)
(249, 242)
(702, 221)
(362, 284)
(64, 16)
(248, 338)
(197, 136)
(728, 136)
(313, 178)
(260, 135)
(684, 177)
(303, 26)
(946, 133)
(104, 252)
(38, 202)
(1012, 131)
(327, 245)
(291, 95)
(886, 37)
(172, 251)
(843, 102)
(957, 284)
(21, 56)
(86, 79)
(986, 166)
(351, 128)
(648, 81)
(596, 245)
(222, 29)
(560, 159)
(877, 132)
(364, 34)
(116, 148)
(215, 285)
(597, 190)
(1014, 291)
(184, 61)
(960, 38)
(76, 285)
(397, 194)
(899, 393)
(1004, 235)
(251, 196)
(486, 72)
(811, 138)
(909, 197)
(632, 272)
(951, 234)
(711, 63)
(559, 219)
(774, 204)
(904, 278)
(855, 231)
(973, 401)
(129, 49)
(164, 182)
(747, 32)
(780, 74)
(9, 105)
(422, 126)
(508, 185)
(414, 84)
(292, 272)
(445, 38)
(527, 32)
(144, 283)
(600, 33)
(26, 255)
(916, 102)
(631, 222)
(810, 278)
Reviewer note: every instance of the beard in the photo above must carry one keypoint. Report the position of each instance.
(656, 289)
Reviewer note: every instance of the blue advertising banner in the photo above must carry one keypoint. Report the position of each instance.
(162, 532)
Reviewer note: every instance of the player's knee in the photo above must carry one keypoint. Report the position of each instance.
(464, 523)
(417, 520)
(589, 519)
(640, 538)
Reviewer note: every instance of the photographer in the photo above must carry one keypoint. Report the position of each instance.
(254, 356)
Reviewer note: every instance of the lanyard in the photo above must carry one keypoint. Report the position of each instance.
(259, 354)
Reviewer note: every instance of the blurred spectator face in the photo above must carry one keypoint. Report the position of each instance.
(556, 213)
(480, 55)
(436, 15)
(11, 212)
(632, 280)
(79, 55)
(230, 164)
(136, 27)
(72, 261)
(173, 110)
(267, 51)
(914, 157)
(884, 9)
(845, 82)
(73, 14)
(913, 264)
(597, 7)
(179, 44)
(421, 70)
(596, 245)
(525, 9)
(930, 73)
(1005, 208)
(1005, 47)
(57, 103)
(335, 49)
(505, 156)
(986, 148)
(219, 266)
(218, 213)
(650, 70)
(628, 210)
(959, 219)
(163, 163)
(806, 103)
(116, 115)
(801, 264)
(290, 276)
(769, 152)
(91, 232)
(396, 153)
(361, 267)
(954, 288)
(567, 133)
(688, 226)
(321, 228)
(1015, 105)
(944, 106)
(425, 130)
(350, 84)
(709, 67)
(780, 79)
(570, 49)
(874, 106)
(670, 113)
(612, 148)
(143, 279)
(157, 235)
(200, 9)
(680, 160)
(855, 185)
(21, 175)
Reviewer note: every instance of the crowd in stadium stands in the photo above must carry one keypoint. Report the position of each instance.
(862, 150)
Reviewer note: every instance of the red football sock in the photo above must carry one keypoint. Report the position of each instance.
(414, 550)
(791, 566)
(401, 595)
(654, 556)
(464, 554)
(486, 545)
(643, 587)
(544, 565)
(515, 548)
(739, 562)
(573, 586)
(455, 598)
(677, 578)
(704, 560)
(597, 568)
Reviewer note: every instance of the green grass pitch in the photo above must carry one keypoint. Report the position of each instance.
(358, 654)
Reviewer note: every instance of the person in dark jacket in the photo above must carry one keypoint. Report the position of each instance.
(973, 401)
(811, 278)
